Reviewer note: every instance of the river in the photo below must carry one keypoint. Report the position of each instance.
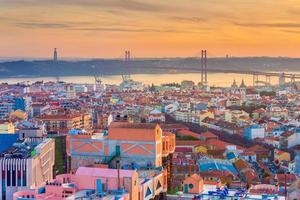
(214, 79)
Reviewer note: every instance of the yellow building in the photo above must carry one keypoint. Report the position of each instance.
(281, 155)
(234, 116)
(200, 149)
(7, 127)
(18, 114)
(233, 101)
(206, 113)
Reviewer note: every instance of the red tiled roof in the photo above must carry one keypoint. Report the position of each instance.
(188, 133)
(208, 134)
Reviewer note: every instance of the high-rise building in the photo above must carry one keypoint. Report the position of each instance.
(26, 165)
(55, 55)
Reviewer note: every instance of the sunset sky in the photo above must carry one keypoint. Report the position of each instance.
(149, 28)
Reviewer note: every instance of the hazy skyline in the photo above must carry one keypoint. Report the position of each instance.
(149, 28)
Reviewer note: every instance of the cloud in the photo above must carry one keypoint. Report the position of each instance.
(269, 25)
(132, 5)
(132, 30)
(291, 31)
(41, 25)
(189, 19)
(89, 26)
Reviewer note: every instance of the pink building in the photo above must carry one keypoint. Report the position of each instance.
(99, 183)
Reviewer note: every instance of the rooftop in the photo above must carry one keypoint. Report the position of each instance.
(133, 125)
(24, 150)
(103, 172)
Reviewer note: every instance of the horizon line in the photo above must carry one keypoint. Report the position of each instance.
(27, 58)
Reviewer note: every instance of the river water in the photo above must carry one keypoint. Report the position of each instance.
(214, 79)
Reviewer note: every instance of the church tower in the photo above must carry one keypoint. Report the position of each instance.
(243, 89)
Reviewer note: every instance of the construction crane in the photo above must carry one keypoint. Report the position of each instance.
(97, 77)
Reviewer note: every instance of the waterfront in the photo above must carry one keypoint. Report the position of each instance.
(214, 79)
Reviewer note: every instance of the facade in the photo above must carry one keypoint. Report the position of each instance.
(139, 145)
(297, 162)
(7, 135)
(136, 145)
(26, 165)
(156, 116)
(234, 116)
(293, 191)
(98, 183)
(7, 128)
(62, 123)
(254, 131)
(193, 184)
(6, 107)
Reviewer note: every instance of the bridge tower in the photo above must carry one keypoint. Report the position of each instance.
(126, 75)
(55, 55)
(204, 68)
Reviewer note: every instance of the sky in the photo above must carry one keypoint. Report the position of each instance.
(149, 28)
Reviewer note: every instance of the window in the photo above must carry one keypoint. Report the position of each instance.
(24, 178)
(8, 176)
(148, 192)
(13, 178)
(191, 186)
(158, 185)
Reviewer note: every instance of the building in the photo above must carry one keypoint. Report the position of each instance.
(6, 106)
(26, 165)
(254, 131)
(136, 145)
(297, 162)
(26, 129)
(7, 127)
(7, 135)
(234, 116)
(280, 156)
(193, 184)
(60, 124)
(185, 84)
(216, 164)
(156, 116)
(204, 114)
(293, 191)
(99, 183)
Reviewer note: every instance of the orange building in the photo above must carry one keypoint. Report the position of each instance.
(193, 184)
(136, 145)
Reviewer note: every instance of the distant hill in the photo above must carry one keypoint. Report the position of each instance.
(143, 66)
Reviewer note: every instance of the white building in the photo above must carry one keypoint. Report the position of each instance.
(28, 166)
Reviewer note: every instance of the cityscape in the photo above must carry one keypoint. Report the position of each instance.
(126, 124)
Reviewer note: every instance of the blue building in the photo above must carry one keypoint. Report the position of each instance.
(297, 163)
(19, 104)
(7, 140)
(254, 131)
(216, 164)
